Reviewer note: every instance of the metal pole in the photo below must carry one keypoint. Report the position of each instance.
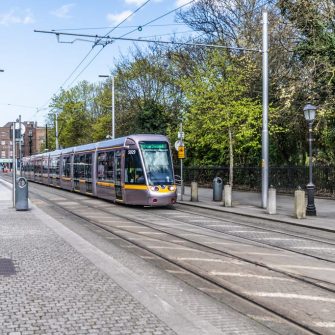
(181, 166)
(56, 124)
(14, 165)
(310, 209)
(20, 146)
(265, 132)
(46, 137)
(113, 109)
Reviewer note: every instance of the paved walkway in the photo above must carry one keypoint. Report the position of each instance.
(53, 281)
(249, 204)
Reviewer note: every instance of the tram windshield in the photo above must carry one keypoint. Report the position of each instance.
(157, 161)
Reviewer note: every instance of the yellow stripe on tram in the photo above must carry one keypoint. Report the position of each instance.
(105, 184)
(135, 187)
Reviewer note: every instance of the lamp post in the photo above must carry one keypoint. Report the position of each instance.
(113, 103)
(309, 113)
(30, 135)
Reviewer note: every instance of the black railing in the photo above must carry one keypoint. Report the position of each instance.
(285, 179)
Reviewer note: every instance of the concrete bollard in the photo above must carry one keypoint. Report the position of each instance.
(272, 202)
(194, 191)
(227, 196)
(299, 204)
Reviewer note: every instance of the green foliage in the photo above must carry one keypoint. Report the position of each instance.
(217, 99)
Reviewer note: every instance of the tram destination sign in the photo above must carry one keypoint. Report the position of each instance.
(154, 146)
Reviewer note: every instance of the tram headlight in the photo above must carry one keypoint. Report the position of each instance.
(172, 188)
(154, 188)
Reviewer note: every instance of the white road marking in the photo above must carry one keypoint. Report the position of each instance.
(223, 243)
(262, 254)
(306, 267)
(221, 225)
(178, 272)
(314, 248)
(171, 248)
(290, 296)
(248, 231)
(210, 290)
(265, 318)
(248, 275)
(323, 324)
(151, 233)
(136, 227)
(280, 239)
(213, 260)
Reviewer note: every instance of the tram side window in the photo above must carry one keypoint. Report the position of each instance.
(66, 166)
(88, 166)
(82, 168)
(45, 168)
(133, 168)
(37, 167)
(76, 172)
(54, 166)
(106, 166)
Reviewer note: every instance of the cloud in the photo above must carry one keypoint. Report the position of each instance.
(12, 17)
(182, 2)
(63, 11)
(117, 18)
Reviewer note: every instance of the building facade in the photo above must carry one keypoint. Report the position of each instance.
(32, 141)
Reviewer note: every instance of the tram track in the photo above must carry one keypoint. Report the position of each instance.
(136, 238)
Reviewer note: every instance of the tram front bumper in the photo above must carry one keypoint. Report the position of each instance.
(162, 197)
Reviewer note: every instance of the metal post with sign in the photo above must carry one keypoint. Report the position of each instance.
(180, 147)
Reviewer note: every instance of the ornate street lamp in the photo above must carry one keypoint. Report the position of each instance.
(309, 112)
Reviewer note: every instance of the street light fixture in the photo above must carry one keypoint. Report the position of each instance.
(113, 103)
(309, 113)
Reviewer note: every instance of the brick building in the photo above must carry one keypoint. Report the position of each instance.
(33, 141)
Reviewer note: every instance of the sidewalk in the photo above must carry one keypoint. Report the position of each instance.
(57, 281)
(249, 204)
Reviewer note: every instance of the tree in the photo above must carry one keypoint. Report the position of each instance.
(221, 118)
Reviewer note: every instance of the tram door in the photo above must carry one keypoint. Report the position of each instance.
(117, 169)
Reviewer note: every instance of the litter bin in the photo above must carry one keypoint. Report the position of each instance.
(217, 189)
(21, 194)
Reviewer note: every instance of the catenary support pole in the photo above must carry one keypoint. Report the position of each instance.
(14, 164)
(113, 109)
(56, 124)
(265, 132)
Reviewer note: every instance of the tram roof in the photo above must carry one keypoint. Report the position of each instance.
(117, 142)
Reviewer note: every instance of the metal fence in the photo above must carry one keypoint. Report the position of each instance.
(285, 179)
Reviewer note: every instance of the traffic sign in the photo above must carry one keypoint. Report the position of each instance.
(181, 135)
(181, 152)
(178, 144)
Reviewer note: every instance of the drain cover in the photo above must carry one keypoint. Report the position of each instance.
(7, 267)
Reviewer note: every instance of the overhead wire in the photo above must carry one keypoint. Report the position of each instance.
(86, 56)
(106, 35)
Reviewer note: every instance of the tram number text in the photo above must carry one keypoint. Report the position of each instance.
(131, 152)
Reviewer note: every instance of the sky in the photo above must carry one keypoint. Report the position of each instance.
(36, 66)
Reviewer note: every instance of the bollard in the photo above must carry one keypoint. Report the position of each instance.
(299, 204)
(21, 194)
(227, 195)
(217, 189)
(194, 191)
(272, 203)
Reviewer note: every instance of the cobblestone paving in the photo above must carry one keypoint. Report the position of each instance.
(55, 290)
